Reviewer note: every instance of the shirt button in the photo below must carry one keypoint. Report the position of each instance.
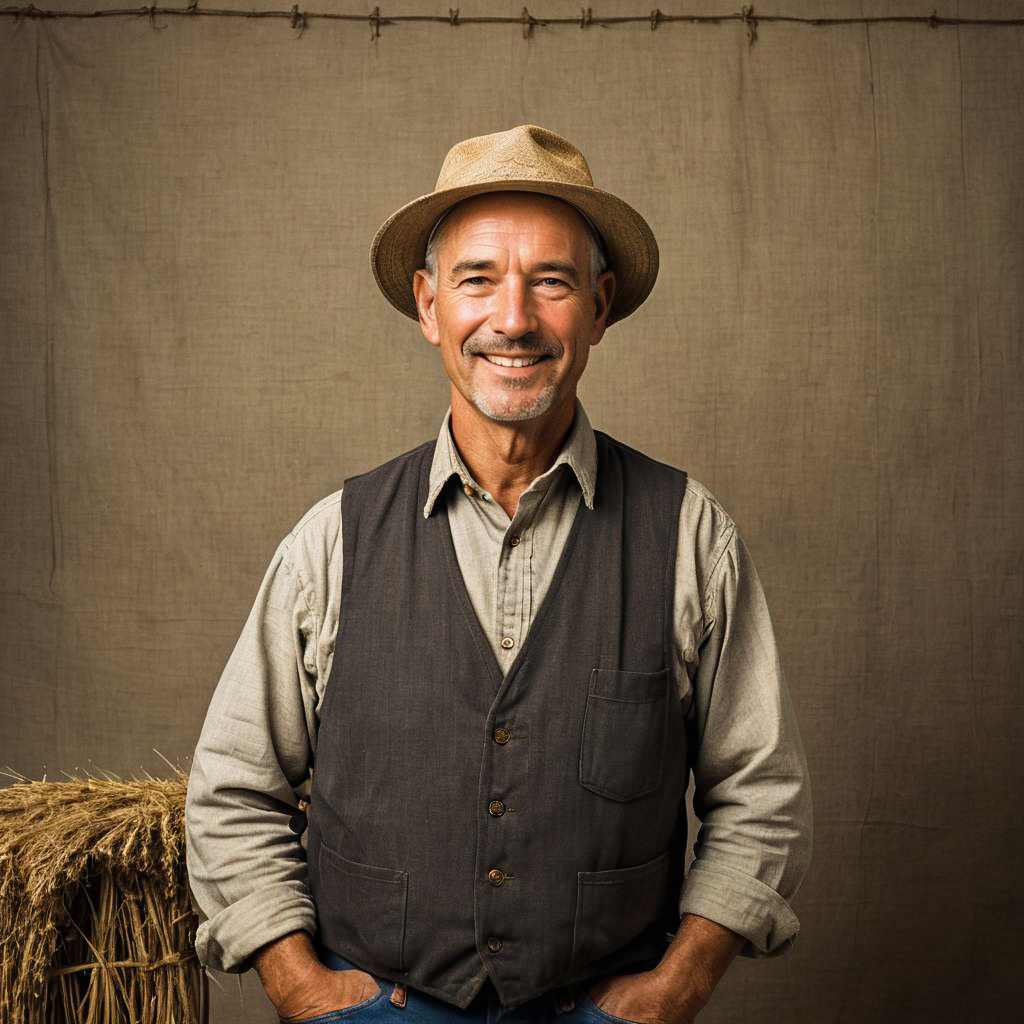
(495, 876)
(496, 808)
(470, 490)
(502, 735)
(494, 945)
(508, 643)
(514, 540)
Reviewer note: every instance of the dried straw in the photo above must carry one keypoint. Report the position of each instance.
(95, 921)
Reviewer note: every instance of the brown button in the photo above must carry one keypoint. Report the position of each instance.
(470, 490)
(495, 876)
(496, 808)
(515, 540)
(508, 643)
(494, 945)
(502, 735)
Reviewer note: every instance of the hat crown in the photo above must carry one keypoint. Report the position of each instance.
(525, 153)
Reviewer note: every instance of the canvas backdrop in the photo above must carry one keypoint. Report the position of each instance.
(193, 352)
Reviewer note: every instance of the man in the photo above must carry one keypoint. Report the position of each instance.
(504, 653)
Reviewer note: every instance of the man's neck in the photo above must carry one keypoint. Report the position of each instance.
(505, 458)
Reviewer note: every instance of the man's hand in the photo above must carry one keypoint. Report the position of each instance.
(300, 987)
(643, 998)
(679, 987)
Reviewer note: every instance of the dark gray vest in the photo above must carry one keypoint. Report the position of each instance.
(525, 827)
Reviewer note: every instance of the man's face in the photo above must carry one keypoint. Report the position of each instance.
(513, 311)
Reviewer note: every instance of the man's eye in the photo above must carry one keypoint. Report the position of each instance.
(553, 282)
(475, 281)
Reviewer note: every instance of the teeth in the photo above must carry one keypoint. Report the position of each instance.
(505, 361)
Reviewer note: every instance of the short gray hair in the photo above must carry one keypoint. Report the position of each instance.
(598, 255)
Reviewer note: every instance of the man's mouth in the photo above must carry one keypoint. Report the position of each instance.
(514, 362)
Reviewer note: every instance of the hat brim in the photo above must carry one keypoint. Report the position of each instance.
(400, 245)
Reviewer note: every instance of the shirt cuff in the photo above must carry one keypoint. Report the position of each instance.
(228, 939)
(743, 904)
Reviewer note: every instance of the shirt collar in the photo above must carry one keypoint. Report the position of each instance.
(579, 453)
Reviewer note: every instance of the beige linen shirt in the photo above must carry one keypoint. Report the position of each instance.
(246, 862)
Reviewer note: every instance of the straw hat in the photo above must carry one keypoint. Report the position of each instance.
(523, 159)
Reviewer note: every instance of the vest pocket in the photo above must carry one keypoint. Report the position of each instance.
(367, 908)
(614, 907)
(624, 733)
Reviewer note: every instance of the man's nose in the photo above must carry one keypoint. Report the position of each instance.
(512, 314)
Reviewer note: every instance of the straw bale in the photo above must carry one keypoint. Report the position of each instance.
(95, 921)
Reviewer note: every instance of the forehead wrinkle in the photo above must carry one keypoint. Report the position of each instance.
(478, 219)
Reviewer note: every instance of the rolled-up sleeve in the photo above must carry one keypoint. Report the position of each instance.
(246, 862)
(751, 789)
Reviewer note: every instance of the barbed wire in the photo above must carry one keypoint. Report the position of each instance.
(298, 18)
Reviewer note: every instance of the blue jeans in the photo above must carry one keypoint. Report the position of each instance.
(569, 1005)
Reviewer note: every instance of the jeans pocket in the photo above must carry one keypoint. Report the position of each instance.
(587, 1010)
(368, 1007)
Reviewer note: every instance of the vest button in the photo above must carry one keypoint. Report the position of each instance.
(514, 540)
(495, 876)
(502, 735)
(494, 945)
(496, 808)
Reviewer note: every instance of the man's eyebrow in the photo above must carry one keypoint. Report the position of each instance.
(557, 267)
(463, 265)
(562, 267)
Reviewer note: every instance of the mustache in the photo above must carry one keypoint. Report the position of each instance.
(527, 345)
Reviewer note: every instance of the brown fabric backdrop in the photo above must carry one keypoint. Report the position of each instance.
(194, 351)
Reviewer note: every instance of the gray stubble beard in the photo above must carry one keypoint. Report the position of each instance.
(498, 346)
(540, 405)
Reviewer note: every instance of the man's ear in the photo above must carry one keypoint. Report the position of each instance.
(424, 292)
(604, 292)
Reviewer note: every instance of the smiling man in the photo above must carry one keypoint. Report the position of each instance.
(498, 660)
(510, 297)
